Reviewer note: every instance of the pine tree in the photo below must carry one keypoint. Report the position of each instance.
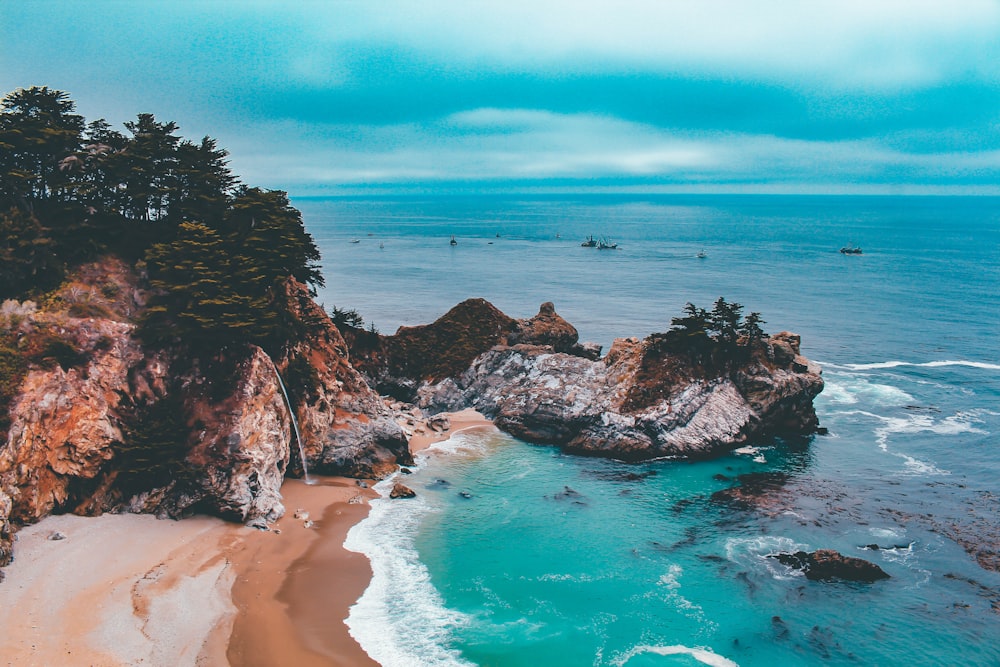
(199, 305)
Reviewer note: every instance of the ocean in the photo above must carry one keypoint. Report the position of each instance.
(517, 554)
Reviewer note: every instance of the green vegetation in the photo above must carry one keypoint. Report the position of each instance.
(346, 318)
(216, 251)
(155, 448)
(722, 332)
(701, 344)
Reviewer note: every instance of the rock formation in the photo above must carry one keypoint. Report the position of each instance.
(828, 565)
(640, 401)
(346, 427)
(99, 422)
(400, 364)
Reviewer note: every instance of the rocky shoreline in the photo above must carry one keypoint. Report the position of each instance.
(89, 432)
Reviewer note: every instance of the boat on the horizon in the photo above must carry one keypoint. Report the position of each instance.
(606, 244)
(453, 241)
(355, 240)
(701, 254)
(590, 242)
(851, 249)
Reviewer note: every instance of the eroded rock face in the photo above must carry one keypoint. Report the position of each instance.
(71, 441)
(400, 364)
(591, 407)
(346, 427)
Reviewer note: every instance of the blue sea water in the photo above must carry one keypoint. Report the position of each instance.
(559, 560)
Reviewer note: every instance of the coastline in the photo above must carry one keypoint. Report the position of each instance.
(129, 589)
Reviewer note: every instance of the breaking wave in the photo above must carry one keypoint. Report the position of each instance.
(702, 655)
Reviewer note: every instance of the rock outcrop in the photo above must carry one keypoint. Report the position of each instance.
(347, 429)
(398, 365)
(637, 403)
(829, 565)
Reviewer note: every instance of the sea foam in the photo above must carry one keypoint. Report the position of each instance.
(401, 619)
(702, 655)
(927, 364)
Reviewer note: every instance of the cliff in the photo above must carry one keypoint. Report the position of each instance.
(100, 422)
(645, 399)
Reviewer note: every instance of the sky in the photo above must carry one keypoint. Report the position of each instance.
(393, 96)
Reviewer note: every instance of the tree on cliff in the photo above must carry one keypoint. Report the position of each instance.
(28, 260)
(199, 304)
(38, 130)
(721, 335)
(217, 252)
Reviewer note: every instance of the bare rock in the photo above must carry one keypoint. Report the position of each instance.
(347, 428)
(439, 423)
(56, 536)
(402, 491)
(635, 404)
(829, 565)
(546, 328)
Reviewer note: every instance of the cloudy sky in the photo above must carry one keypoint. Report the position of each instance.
(894, 96)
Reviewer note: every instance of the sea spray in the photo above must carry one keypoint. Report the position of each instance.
(295, 426)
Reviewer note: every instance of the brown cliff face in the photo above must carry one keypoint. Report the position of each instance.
(346, 427)
(400, 363)
(97, 422)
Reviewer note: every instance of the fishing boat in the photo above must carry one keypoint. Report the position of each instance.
(591, 242)
(606, 244)
(453, 241)
(355, 240)
(701, 254)
(851, 249)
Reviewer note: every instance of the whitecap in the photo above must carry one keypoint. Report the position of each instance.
(847, 389)
(885, 532)
(927, 364)
(670, 582)
(753, 552)
(703, 655)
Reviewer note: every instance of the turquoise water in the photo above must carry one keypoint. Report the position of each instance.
(561, 560)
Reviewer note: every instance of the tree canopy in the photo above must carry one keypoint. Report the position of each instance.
(216, 250)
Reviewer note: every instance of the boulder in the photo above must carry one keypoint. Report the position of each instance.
(546, 328)
(829, 565)
(402, 491)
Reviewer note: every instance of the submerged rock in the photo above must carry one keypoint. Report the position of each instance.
(829, 565)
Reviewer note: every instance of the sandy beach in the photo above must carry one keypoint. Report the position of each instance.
(131, 589)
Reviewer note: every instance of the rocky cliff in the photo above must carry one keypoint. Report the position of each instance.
(99, 422)
(643, 400)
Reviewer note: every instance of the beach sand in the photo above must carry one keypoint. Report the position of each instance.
(460, 421)
(131, 589)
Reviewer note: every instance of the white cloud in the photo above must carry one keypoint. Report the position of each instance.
(538, 146)
(844, 43)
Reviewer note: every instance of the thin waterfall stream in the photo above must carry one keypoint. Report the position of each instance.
(295, 426)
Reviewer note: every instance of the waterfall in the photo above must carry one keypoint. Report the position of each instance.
(295, 426)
